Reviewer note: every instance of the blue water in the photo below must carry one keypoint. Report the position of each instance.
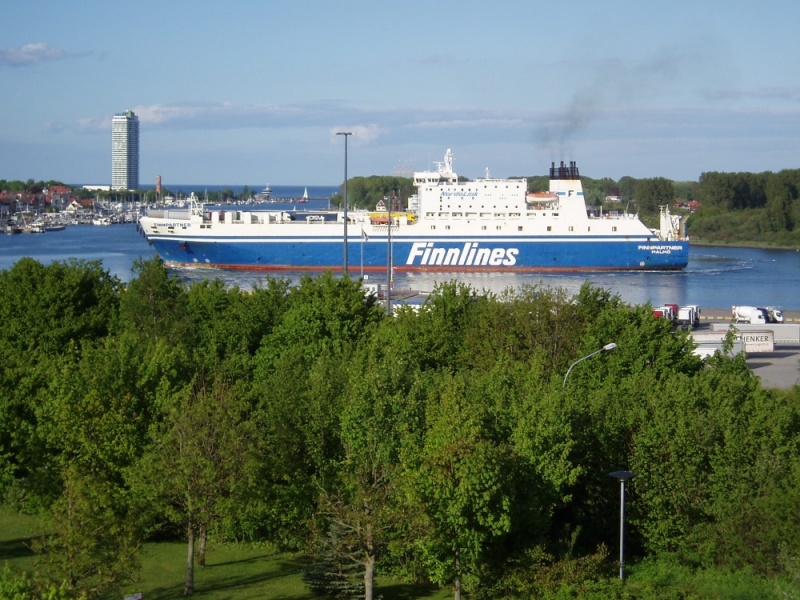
(715, 278)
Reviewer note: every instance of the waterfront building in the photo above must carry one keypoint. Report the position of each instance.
(125, 151)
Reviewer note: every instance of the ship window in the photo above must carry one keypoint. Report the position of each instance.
(571, 228)
(433, 226)
(499, 227)
(614, 228)
(483, 227)
(555, 214)
(447, 226)
(519, 227)
(549, 228)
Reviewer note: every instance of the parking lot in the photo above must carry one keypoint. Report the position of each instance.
(777, 369)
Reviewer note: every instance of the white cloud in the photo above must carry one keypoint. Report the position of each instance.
(362, 134)
(790, 94)
(372, 123)
(94, 125)
(512, 121)
(29, 54)
(165, 113)
(54, 127)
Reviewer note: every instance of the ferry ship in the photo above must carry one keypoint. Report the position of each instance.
(491, 225)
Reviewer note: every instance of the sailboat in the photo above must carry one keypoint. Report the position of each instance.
(305, 196)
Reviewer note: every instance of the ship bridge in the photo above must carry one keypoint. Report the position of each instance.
(441, 176)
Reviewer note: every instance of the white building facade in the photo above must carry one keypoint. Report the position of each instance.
(125, 151)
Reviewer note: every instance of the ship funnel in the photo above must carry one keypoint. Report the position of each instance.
(564, 170)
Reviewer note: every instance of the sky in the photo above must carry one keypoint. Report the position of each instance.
(253, 92)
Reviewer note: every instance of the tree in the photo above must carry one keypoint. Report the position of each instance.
(778, 214)
(652, 193)
(19, 585)
(46, 311)
(154, 303)
(462, 481)
(716, 190)
(315, 334)
(627, 188)
(358, 509)
(441, 324)
(533, 320)
(717, 460)
(600, 406)
(94, 545)
(228, 325)
(44, 307)
(355, 511)
(366, 192)
(201, 462)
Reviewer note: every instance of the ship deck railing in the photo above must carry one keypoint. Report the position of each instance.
(613, 216)
(168, 213)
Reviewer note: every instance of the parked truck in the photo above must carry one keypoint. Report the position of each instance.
(749, 314)
(688, 316)
(774, 314)
(665, 312)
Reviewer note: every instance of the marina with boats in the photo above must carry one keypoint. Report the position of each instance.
(21, 223)
(41, 216)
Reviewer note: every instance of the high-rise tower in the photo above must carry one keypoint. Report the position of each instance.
(125, 151)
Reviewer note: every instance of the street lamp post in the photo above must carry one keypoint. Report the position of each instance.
(622, 476)
(345, 134)
(606, 348)
(389, 259)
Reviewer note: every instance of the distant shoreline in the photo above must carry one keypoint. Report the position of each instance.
(741, 245)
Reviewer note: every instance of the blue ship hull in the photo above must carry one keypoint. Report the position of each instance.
(431, 254)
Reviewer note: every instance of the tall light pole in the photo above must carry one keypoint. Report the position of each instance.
(606, 348)
(389, 259)
(622, 476)
(345, 134)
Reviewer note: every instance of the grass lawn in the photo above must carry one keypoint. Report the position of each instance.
(231, 571)
(239, 571)
(16, 535)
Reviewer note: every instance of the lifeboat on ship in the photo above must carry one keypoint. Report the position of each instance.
(379, 218)
(541, 199)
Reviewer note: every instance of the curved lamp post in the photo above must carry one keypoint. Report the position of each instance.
(345, 134)
(622, 477)
(606, 348)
